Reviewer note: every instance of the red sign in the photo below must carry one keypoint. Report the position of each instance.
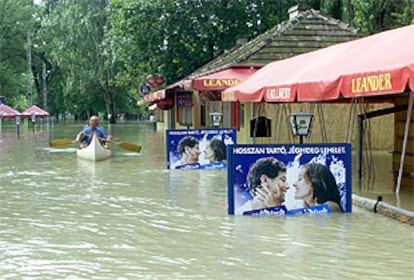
(155, 80)
(167, 103)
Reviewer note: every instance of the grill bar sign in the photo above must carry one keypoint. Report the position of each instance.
(155, 80)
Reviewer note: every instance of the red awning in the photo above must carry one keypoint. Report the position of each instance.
(154, 96)
(223, 79)
(34, 110)
(376, 65)
(162, 93)
(7, 112)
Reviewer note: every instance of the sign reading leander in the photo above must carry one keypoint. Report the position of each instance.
(222, 79)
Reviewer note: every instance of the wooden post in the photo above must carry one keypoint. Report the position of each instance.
(358, 148)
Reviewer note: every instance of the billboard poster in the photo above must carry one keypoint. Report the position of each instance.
(198, 148)
(289, 179)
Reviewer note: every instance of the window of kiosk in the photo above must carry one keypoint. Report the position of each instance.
(185, 108)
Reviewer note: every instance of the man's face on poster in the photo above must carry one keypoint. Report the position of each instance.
(192, 153)
(272, 189)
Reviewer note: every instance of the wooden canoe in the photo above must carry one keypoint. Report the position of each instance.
(94, 152)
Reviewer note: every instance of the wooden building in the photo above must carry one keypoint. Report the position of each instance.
(264, 122)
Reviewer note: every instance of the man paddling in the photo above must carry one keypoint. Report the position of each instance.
(85, 136)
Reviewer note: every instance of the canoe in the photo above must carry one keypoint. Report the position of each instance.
(94, 152)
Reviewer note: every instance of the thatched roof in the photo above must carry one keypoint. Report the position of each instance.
(304, 32)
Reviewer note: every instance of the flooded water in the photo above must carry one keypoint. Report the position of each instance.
(131, 218)
(380, 181)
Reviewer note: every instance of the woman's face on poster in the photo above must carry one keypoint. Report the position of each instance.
(209, 153)
(303, 186)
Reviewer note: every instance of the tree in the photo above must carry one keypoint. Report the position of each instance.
(376, 16)
(176, 37)
(15, 22)
(75, 36)
(98, 53)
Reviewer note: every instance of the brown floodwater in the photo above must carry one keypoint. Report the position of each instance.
(130, 218)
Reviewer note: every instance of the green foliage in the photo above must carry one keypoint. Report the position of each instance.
(15, 22)
(74, 36)
(97, 53)
(176, 37)
(374, 16)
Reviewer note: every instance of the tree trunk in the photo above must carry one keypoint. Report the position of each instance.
(351, 13)
(109, 98)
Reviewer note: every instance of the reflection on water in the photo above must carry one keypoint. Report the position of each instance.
(91, 169)
(131, 218)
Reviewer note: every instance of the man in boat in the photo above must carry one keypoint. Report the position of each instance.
(85, 136)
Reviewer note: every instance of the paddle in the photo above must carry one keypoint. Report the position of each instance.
(61, 143)
(127, 146)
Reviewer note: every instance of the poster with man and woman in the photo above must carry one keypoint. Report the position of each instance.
(289, 179)
(198, 148)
